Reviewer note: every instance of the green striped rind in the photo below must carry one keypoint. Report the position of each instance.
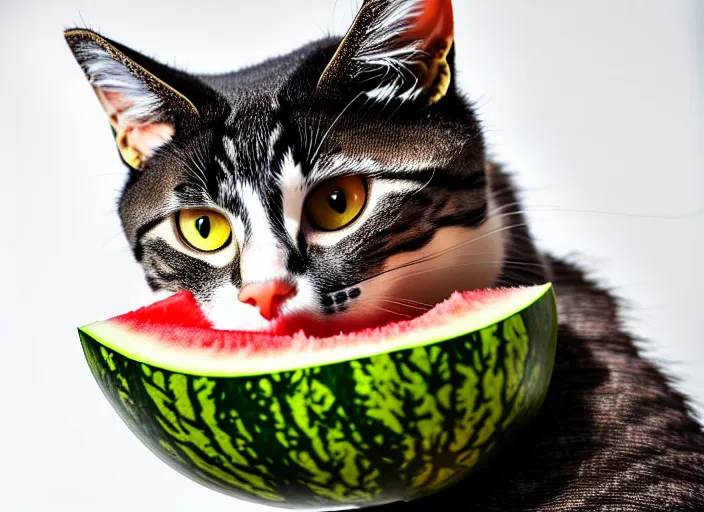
(384, 428)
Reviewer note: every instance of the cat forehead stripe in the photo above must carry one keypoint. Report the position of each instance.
(227, 192)
(228, 145)
(341, 164)
(293, 190)
(274, 138)
(263, 258)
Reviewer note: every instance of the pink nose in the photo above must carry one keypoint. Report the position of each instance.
(267, 296)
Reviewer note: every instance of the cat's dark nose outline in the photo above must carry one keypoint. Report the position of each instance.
(267, 296)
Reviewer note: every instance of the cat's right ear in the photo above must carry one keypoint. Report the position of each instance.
(395, 50)
(144, 110)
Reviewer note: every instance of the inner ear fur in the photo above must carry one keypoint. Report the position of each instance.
(141, 107)
(395, 49)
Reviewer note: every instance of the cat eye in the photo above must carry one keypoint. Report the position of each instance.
(336, 203)
(203, 230)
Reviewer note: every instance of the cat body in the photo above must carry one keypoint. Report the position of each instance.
(345, 185)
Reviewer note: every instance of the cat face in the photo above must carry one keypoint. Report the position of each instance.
(340, 186)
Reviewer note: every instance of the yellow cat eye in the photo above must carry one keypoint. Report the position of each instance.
(204, 230)
(336, 203)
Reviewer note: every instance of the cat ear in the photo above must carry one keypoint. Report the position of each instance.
(143, 109)
(396, 49)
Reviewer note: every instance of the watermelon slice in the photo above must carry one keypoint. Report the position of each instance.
(388, 413)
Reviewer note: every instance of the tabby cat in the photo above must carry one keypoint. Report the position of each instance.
(346, 184)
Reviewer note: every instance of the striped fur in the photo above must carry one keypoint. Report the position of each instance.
(612, 436)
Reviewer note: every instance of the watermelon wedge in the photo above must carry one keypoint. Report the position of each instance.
(389, 413)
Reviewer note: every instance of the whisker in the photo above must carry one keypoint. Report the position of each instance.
(407, 300)
(558, 209)
(424, 308)
(445, 251)
(332, 125)
(426, 185)
(506, 206)
(392, 312)
(458, 265)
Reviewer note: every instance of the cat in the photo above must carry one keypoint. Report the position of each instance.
(345, 185)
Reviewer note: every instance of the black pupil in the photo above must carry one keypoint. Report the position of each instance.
(203, 226)
(338, 201)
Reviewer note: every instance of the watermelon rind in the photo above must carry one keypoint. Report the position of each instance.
(372, 430)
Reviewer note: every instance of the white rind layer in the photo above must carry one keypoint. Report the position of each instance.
(306, 352)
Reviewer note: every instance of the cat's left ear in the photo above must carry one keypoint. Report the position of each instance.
(144, 110)
(395, 50)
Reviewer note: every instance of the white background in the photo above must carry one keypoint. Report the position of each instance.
(595, 105)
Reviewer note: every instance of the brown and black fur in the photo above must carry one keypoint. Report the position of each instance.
(613, 434)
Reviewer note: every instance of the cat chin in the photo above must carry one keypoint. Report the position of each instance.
(225, 312)
(309, 323)
(247, 318)
(229, 323)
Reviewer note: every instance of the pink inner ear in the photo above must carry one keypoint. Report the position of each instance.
(114, 102)
(146, 138)
(435, 25)
(142, 138)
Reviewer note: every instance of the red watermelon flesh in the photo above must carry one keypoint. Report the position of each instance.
(174, 334)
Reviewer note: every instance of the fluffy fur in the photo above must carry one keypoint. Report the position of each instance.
(612, 434)
(382, 54)
(253, 144)
(260, 140)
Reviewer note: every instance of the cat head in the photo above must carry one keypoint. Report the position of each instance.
(343, 183)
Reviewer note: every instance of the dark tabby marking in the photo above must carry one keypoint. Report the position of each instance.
(382, 105)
